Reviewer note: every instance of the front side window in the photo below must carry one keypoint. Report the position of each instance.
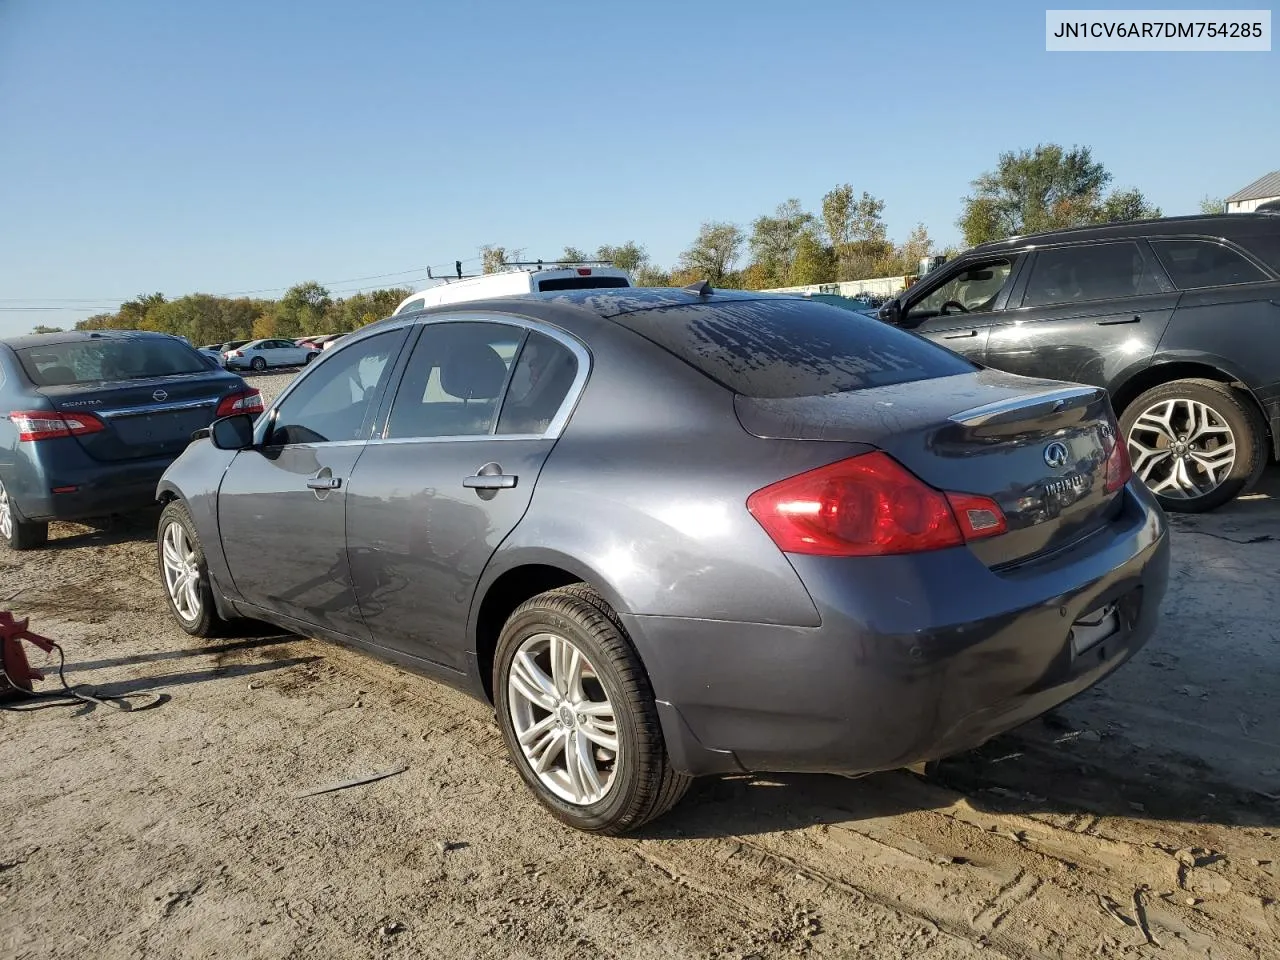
(973, 290)
(332, 402)
(1098, 271)
(1202, 263)
(454, 381)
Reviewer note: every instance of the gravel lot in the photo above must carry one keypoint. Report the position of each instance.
(1143, 820)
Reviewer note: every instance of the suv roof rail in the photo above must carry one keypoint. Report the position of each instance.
(541, 264)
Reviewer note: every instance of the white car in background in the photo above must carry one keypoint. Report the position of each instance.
(520, 278)
(261, 354)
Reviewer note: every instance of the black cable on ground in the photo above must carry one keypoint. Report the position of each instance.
(69, 695)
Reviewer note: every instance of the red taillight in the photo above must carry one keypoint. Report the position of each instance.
(246, 401)
(1119, 468)
(48, 424)
(233, 353)
(584, 271)
(869, 505)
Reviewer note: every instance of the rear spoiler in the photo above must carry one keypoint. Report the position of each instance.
(1015, 408)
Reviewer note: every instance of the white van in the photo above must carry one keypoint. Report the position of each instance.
(520, 278)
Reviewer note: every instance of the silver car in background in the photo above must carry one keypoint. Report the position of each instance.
(261, 354)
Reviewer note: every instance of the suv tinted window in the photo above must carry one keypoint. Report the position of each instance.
(1265, 247)
(95, 361)
(1095, 271)
(975, 288)
(454, 381)
(792, 348)
(540, 382)
(333, 400)
(581, 283)
(1202, 263)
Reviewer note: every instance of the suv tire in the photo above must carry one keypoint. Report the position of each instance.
(1178, 435)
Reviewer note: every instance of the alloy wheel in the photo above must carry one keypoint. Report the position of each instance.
(181, 571)
(1182, 448)
(6, 514)
(563, 719)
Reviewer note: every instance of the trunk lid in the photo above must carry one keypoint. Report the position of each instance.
(151, 417)
(1036, 447)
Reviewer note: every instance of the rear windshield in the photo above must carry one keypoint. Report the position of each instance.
(581, 283)
(793, 348)
(95, 361)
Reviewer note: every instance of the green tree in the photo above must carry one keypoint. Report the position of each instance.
(493, 258)
(1211, 205)
(854, 227)
(302, 310)
(651, 276)
(630, 256)
(573, 255)
(42, 328)
(133, 313)
(1046, 188)
(774, 241)
(713, 253)
(814, 262)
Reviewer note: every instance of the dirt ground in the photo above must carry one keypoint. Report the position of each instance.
(1142, 820)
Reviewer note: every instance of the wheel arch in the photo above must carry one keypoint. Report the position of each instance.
(1190, 367)
(509, 584)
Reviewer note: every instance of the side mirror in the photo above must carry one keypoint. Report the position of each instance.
(891, 312)
(232, 433)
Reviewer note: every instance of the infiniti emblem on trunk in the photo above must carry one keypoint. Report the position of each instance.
(161, 395)
(1056, 454)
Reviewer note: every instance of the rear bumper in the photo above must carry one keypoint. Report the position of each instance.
(101, 488)
(917, 658)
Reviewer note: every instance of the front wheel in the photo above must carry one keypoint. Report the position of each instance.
(309, 358)
(1197, 444)
(578, 715)
(184, 573)
(18, 533)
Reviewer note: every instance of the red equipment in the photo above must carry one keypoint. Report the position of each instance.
(18, 673)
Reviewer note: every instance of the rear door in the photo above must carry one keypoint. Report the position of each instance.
(958, 307)
(1089, 313)
(282, 505)
(478, 409)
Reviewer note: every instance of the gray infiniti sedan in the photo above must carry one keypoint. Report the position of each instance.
(670, 533)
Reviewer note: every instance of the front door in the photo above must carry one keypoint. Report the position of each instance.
(282, 505)
(958, 308)
(474, 418)
(1090, 313)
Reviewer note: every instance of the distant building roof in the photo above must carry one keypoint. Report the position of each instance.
(1268, 186)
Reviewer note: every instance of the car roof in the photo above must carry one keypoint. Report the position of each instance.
(81, 336)
(1211, 225)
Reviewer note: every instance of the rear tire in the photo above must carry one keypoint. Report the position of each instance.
(625, 787)
(185, 574)
(258, 363)
(1197, 444)
(18, 532)
(310, 357)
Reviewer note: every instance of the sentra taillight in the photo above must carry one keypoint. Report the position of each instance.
(246, 401)
(869, 505)
(48, 425)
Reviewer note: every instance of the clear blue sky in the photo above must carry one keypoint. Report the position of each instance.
(235, 145)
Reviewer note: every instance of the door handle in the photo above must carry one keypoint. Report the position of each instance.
(324, 483)
(959, 336)
(1116, 323)
(490, 481)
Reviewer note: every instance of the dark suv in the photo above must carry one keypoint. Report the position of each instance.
(1178, 318)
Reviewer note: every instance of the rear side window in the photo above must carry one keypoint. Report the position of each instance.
(98, 361)
(1201, 263)
(792, 348)
(1265, 247)
(540, 382)
(1096, 271)
(581, 283)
